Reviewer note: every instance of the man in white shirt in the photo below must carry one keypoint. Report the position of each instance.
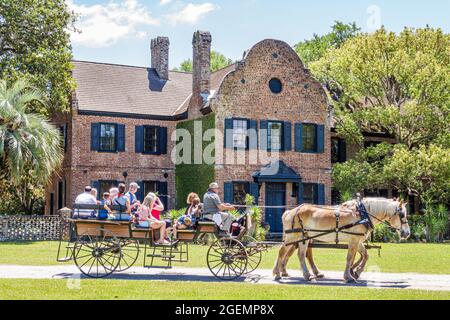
(85, 198)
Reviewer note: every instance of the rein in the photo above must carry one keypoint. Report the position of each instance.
(365, 220)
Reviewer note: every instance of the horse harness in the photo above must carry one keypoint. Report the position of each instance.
(365, 221)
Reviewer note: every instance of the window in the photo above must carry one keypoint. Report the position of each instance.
(335, 197)
(150, 139)
(240, 190)
(338, 150)
(309, 138)
(275, 136)
(105, 185)
(150, 186)
(275, 85)
(310, 193)
(108, 139)
(240, 134)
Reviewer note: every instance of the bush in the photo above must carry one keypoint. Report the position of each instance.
(176, 214)
(384, 233)
(436, 222)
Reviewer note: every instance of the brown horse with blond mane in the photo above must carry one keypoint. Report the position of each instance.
(311, 221)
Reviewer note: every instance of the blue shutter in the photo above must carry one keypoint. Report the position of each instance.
(300, 194)
(253, 138)
(120, 138)
(162, 140)
(287, 136)
(321, 194)
(140, 193)
(263, 125)
(96, 185)
(254, 191)
(298, 137)
(320, 138)
(162, 191)
(342, 150)
(228, 192)
(139, 139)
(95, 136)
(228, 134)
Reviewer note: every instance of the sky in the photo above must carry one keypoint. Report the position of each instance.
(119, 31)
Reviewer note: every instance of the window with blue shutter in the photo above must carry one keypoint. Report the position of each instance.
(300, 199)
(139, 139)
(254, 191)
(228, 134)
(140, 192)
(298, 137)
(95, 136)
(228, 192)
(263, 124)
(320, 138)
(163, 194)
(253, 135)
(120, 138)
(321, 194)
(275, 136)
(287, 133)
(162, 140)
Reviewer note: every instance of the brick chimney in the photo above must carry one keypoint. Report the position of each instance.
(160, 56)
(201, 78)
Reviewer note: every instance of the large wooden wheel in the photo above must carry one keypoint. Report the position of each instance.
(129, 253)
(253, 252)
(97, 253)
(227, 259)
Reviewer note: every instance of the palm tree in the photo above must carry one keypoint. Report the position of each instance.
(30, 147)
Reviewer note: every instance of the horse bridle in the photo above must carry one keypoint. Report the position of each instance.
(399, 212)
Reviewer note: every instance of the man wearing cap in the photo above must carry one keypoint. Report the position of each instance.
(131, 194)
(85, 198)
(213, 208)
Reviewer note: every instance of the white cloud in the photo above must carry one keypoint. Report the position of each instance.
(191, 14)
(164, 2)
(105, 24)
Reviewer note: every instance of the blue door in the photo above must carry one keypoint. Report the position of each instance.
(275, 196)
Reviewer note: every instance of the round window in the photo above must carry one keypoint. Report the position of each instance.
(275, 85)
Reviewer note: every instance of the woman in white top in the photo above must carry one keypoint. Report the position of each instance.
(147, 220)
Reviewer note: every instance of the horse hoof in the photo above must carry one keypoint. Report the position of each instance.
(277, 278)
(320, 276)
(308, 277)
(350, 280)
(285, 275)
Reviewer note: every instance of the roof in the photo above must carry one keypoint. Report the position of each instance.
(276, 171)
(113, 88)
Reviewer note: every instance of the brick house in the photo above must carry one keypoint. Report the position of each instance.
(273, 116)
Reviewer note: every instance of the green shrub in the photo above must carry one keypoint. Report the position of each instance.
(175, 214)
(384, 233)
(436, 222)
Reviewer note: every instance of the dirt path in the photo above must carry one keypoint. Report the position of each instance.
(332, 278)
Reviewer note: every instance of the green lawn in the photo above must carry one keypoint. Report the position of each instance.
(418, 258)
(129, 289)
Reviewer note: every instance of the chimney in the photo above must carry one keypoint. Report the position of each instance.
(201, 78)
(160, 56)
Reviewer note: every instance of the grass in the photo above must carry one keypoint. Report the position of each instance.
(416, 258)
(129, 289)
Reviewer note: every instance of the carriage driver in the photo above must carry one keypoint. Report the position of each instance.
(214, 209)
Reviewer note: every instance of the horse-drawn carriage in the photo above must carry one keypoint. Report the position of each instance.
(101, 247)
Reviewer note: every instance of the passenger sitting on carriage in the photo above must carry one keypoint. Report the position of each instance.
(105, 202)
(214, 209)
(188, 220)
(146, 220)
(123, 201)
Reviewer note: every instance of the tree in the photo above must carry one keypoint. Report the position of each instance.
(398, 85)
(218, 61)
(30, 147)
(35, 44)
(314, 49)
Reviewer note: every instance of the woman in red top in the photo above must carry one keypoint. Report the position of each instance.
(157, 208)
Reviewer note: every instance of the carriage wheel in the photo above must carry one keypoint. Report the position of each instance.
(227, 259)
(129, 253)
(96, 255)
(254, 253)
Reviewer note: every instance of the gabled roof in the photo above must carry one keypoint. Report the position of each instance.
(276, 171)
(112, 88)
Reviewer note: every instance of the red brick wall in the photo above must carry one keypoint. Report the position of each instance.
(245, 93)
(83, 165)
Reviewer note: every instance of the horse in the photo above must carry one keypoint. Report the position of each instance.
(307, 221)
